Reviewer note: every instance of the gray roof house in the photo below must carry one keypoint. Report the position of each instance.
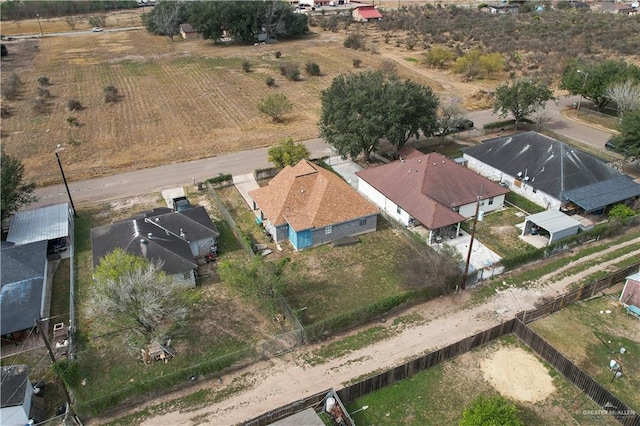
(175, 238)
(23, 275)
(18, 404)
(550, 173)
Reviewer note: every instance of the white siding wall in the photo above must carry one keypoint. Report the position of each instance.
(383, 202)
(469, 210)
(539, 197)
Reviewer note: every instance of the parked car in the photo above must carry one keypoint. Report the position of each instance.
(463, 124)
(96, 29)
(181, 204)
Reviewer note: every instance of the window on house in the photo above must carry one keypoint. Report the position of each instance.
(456, 209)
(186, 275)
(328, 230)
(534, 190)
(363, 221)
(398, 210)
(490, 201)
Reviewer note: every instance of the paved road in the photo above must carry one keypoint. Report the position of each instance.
(556, 122)
(75, 33)
(157, 178)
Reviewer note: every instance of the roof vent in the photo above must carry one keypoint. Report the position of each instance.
(434, 164)
(182, 233)
(142, 241)
(409, 170)
(442, 161)
(420, 161)
(149, 235)
(157, 219)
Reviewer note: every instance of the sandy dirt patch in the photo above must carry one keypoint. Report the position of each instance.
(518, 375)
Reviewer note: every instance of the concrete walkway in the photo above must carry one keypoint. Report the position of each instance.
(244, 184)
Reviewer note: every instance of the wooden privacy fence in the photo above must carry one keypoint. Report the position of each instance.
(584, 292)
(577, 376)
(272, 416)
(360, 389)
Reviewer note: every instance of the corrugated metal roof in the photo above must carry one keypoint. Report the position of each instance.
(14, 385)
(553, 221)
(43, 224)
(22, 276)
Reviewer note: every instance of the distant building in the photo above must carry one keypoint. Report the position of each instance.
(366, 14)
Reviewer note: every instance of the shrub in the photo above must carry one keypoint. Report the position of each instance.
(44, 81)
(312, 68)
(74, 105)
(11, 87)
(110, 94)
(357, 63)
(4, 111)
(277, 54)
(275, 106)
(246, 66)
(290, 70)
(354, 41)
(439, 57)
(621, 211)
(491, 410)
(389, 67)
(270, 81)
(72, 121)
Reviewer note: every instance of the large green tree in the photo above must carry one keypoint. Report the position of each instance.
(521, 99)
(135, 297)
(411, 109)
(15, 191)
(244, 20)
(628, 141)
(359, 109)
(591, 80)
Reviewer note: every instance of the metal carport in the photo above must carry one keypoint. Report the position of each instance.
(556, 223)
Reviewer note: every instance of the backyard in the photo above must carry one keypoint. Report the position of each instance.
(439, 395)
(598, 329)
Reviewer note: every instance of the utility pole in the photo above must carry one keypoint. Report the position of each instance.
(38, 17)
(44, 333)
(66, 185)
(465, 275)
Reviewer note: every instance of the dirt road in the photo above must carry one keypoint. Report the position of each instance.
(273, 383)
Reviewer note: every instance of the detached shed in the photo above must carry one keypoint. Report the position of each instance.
(631, 292)
(556, 223)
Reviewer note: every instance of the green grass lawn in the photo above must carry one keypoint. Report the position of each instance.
(438, 396)
(220, 330)
(591, 339)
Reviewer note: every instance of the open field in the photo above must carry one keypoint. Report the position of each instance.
(507, 367)
(180, 101)
(595, 338)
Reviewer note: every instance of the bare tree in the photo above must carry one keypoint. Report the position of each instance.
(72, 21)
(165, 19)
(625, 94)
(441, 269)
(273, 19)
(135, 297)
(451, 110)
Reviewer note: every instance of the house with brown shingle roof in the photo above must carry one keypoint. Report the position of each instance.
(430, 190)
(310, 206)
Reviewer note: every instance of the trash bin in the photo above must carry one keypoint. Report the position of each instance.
(575, 105)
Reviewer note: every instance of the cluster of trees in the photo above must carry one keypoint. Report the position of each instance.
(244, 20)
(18, 10)
(605, 83)
(359, 109)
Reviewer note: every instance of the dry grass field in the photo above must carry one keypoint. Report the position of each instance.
(180, 101)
